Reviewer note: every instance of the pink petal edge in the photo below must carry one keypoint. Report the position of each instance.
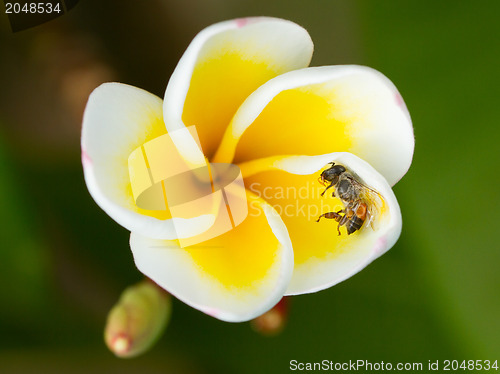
(240, 22)
(380, 245)
(86, 160)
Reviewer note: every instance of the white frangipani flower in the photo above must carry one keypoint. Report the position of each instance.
(245, 85)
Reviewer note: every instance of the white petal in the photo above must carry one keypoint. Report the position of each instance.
(223, 65)
(314, 110)
(117, 120)
(234, 277)
(322, 258)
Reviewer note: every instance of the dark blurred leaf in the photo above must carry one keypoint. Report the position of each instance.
(23, 259)
(443, 59)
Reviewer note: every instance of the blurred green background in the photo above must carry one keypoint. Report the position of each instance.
(64, 262)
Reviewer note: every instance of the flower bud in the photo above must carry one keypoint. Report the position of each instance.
(137, 320)
(273, 321)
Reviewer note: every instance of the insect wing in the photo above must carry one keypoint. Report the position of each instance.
(373, 202)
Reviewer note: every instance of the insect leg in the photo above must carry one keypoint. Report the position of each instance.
(331, 185)
(330, 215)
(342, 221)
(338, 228)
